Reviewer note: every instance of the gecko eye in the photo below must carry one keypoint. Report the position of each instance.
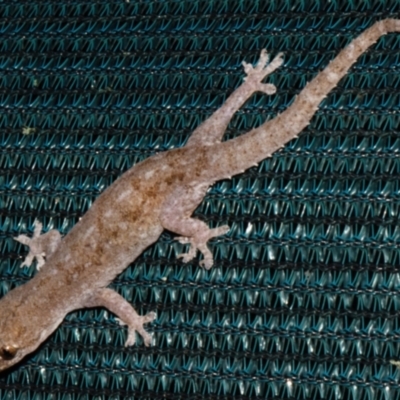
(8, 352)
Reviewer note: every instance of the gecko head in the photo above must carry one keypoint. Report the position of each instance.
(21, 330)
(8, 352)
(12, 349)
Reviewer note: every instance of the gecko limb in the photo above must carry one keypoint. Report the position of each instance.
(127, 315)
(199, 241)
(259, 143)
(212, 129)
(40, 246)
(176, 217)
(263, 68)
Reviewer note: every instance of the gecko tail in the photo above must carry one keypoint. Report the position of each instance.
(236, 155)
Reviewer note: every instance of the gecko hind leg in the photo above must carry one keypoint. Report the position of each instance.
(176, 217)
(40, 246)
(199, 242)
(263, 68)
(127, 315)
(213, 128)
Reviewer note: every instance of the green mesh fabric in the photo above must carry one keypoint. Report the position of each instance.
(303, 300)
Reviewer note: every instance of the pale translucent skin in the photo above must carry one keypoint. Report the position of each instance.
(159, 193)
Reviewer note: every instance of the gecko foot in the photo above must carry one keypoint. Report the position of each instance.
(137, 326)
(126, 314)
(199, 242)
(263, 68)
(40, 246)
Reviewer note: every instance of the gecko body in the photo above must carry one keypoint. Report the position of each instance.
(159, 193)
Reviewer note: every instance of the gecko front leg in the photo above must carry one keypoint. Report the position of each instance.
(127, 315)
(176, 217)
(40, 246)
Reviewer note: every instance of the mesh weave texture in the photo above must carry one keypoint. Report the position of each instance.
(303, 300)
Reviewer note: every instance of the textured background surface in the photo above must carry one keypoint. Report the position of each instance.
(304, 298)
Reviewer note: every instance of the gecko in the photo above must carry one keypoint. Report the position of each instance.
(159, 193)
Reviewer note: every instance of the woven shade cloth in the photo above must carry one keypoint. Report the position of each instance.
(303, 300)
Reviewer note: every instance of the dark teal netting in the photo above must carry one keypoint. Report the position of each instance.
(303, 301)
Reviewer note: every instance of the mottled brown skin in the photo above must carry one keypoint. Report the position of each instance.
(159, 193)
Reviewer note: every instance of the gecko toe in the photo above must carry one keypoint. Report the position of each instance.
(149, 317)
(262, 69)
(267, 88)
(186, 257)
(40, 245)
(222, 230)
(139, 328)
(131, 340)
(146, 338)
(207, 264)
(200, 243)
